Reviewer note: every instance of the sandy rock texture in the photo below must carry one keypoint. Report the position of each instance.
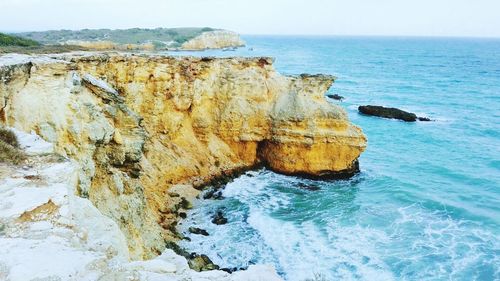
(47, 232)
(217, 39)
(142, 127)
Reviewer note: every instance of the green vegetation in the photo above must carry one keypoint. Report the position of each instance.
(16, 44)
(160, 37)
(10, 40)
(8, 137)
(41, 49)
(9, 148)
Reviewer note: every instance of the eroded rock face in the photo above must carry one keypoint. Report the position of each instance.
(143, 128)
(217, 39)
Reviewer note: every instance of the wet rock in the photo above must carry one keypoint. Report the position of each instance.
(219, 218)
(424, 119)
(209, 193)
(233, 269)
(183, 215)
(335, 97)
(201, 263)
(198, 231)
(310, 187)
(185, 204)
(213, 193)
(387, 112)
(177, 249)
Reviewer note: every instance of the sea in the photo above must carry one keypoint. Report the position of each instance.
(426, 204)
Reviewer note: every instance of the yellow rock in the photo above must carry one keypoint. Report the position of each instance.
(140, 126)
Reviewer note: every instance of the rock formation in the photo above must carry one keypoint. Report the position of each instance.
(217, 39)
(49, 233)
(143, 128)
(391, 113)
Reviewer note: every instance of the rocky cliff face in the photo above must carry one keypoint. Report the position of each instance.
(49, 233)
(217, 39)
(145, 129)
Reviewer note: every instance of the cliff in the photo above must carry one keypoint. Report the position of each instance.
(144, 129)
(217, 39)
(49, 233)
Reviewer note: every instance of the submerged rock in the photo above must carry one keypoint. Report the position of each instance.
(219, 218)
(310, 187)
(424, 119)
(387, 112)
(199, 231)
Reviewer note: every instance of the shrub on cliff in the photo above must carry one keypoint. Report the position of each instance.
(9, 148)
(10, 40)
(8, 137)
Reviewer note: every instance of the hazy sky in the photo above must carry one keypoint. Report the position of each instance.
(336, 17)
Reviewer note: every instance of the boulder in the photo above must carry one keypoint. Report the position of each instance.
(201, 263)
(198, 231)
(219, 218)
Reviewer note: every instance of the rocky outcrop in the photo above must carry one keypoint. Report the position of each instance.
(49, 233)
(145, 130)
(390, 112)
(217, 39)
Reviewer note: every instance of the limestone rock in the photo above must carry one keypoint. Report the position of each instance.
(217, 39)
(144, 127)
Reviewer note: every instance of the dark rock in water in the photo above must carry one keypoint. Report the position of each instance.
(201, 263)
(218, 195)
(234, 269)
(335, 97)
(213, 193)
(219, 218)
(387, 112)
(199, 231)
(183, 215)
(310, 187)
(424, 119)
(209, 193)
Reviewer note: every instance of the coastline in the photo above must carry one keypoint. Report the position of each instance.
(102, 113)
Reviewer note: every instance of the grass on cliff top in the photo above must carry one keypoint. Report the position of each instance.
(16, 44)
(9, 148)
(11, 40)
(41, 49)
(160, 37)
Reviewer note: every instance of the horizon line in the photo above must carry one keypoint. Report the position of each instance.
(292, 34)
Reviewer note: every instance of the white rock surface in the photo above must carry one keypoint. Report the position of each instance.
(48, 233)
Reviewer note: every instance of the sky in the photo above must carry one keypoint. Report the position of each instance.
(464, 18)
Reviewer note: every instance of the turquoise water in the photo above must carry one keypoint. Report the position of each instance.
(426, 205)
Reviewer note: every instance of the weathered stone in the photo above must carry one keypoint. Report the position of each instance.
(201, 263)
(218, 39)
(219, 218)
(199, 231)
